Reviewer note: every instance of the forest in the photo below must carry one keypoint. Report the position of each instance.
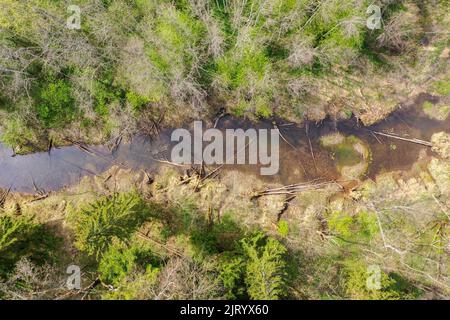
(87, 73)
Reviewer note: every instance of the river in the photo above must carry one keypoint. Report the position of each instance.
(302, 159)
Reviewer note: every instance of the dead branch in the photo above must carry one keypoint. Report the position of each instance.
(310, 146)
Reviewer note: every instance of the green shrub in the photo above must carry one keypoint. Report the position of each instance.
(234, 71)
(283, 228)
(220, 237)
(266, 269)
(132, 269)
(364, 283)
(263, 110)
(135, 286)
(103, 98)
(341, 223)
(136, 101)
(362, 226)
(55, 105)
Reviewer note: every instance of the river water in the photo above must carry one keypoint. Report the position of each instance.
(302, 159)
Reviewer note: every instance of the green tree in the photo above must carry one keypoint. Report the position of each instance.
(116, 263)
(257, 268)
(108, 218)
(232, 276)
(266, 267)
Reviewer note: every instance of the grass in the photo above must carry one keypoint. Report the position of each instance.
(442, 87)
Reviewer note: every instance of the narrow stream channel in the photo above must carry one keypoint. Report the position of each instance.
(67, 165)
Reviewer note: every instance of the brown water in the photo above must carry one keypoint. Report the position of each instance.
(67, 165)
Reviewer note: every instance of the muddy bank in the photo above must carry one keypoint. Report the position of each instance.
(302, 157)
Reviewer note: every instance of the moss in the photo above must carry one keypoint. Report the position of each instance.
(352, 157)
(346, 155)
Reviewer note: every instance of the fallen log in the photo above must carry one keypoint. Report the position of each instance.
(394, 136)
(40, 197)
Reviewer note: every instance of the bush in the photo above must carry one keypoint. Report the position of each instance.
(116, 263)
(283, 228)
(266, 268)
(362, 226)
(136, 101)
(55, 105)
(386, 286)
(232, 276)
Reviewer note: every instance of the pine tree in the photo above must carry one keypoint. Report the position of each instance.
(109, 217)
